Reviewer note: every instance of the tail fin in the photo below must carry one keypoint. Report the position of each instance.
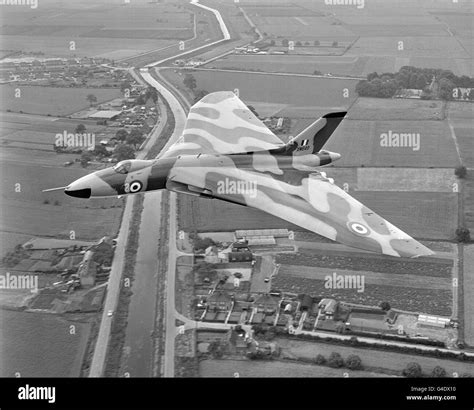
(313, 138)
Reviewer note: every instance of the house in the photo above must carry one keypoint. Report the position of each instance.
(391, 316)
(220, 301)
(328, 307)
(211, 254)
(87, 270)
(306, 302)
(266, 304)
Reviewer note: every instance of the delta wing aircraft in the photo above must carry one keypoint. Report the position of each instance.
(227, 153)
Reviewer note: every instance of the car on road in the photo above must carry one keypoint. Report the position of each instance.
(110, 313)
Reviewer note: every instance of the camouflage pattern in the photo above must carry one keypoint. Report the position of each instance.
(226, 153)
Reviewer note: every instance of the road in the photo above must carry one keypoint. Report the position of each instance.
(332, 77)
(113, 291)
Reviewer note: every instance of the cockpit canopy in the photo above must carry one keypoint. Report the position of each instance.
(128, 165)
(123, 167)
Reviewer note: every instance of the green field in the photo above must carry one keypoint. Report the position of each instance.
(26, 213)
(108, 29)
(51, 100)
(41, 345)
(360, 143)
(249, 368)
(375, 358)
(377, 109)
(288, 64)
(294, 91)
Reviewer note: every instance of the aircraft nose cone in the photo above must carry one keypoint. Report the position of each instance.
(81, 188)
(334, 156)
(78, 193)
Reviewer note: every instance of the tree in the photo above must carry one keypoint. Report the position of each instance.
(101, 151)
(284, 42)
(438, 371)
(272, 42)
(238, 275)
(140, 100)
(85, 158)
(80, 128)
(151, 93)
(353, 362)
(121, 134)
(317, 72)
(91, 98)
(334, 43)
(298, 44)
(385, 306)
(215, 349)
(254, 111)
(189, 81)
(413, 369)
(135, 138)
(125, 86)
(200, 94)
(123, 151)
(460, 171)
(316, 43)
(320, 359)
(372, 76)
(202, 243)
(446, 87)
(335, 360)
(463, 234)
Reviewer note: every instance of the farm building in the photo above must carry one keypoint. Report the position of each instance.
(433, 321)
(87, 270)
(105, 115)
(240, 256)
(261, 236)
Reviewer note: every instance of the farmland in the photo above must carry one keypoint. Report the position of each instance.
(107, 30)
(360, 143)
(248, 368)
(309, 93)
(51, 100)
(468, 287)
(381, 359)
(56, 352)
(299, 64)
(387, 109)
(407, 291)
(29, 212)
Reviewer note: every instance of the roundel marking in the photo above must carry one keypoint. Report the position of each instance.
(135, 186)
(358, 228)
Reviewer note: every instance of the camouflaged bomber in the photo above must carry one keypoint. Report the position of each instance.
(227, 153)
